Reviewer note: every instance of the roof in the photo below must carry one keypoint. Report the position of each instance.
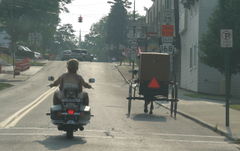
(154, 53)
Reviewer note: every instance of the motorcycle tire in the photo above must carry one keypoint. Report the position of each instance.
(69, 134)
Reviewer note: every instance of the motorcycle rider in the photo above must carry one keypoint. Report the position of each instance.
(71, 77)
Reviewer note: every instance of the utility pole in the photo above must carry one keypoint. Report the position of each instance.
(177, 40)
(134, 34)
(80, 38)
(80, 19)
(157, 21)
(134, 19)
(13, 41)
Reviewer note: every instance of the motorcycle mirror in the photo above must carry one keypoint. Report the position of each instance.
(50, 78)
(91, 80)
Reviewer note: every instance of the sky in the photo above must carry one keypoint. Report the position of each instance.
(92, 11)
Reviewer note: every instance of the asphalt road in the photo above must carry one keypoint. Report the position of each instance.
(110, 128)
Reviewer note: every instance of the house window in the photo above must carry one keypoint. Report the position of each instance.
(167, 4)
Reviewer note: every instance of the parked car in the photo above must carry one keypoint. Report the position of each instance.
(37, 55)
(23, 52)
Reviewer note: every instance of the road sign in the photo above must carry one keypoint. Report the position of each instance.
(226, 38)
(167, 40)
(151, 34)
(168, 16)
(167, 30)
(167, 48)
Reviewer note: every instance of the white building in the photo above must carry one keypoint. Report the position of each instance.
(195, 75)
(4, 39)
(155, 14)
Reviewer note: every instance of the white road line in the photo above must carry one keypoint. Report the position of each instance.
(16, 117)
(191, 141)
(118, 137)
(121, 132)
(184, 135)
(62, 134)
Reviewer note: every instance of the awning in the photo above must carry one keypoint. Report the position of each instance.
(23, 48)
(23, 52)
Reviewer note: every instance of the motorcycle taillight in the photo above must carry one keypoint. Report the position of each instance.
(70, 111)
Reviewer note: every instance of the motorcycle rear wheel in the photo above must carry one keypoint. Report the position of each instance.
(69, 134)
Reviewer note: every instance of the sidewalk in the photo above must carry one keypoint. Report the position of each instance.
(7, 74)
(207, 112)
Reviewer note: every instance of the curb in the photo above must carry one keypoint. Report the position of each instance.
(193, 118)
(203, 123)
(127, 81)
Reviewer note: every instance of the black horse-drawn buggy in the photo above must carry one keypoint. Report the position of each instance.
(153, 81)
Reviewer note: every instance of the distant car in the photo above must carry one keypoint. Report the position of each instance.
(81, 54)
(113, 59)
(67, 54)
(95, 59)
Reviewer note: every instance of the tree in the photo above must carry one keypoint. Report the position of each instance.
(117, 25)
(65, 38)
(225, 60)
(226, 16)
(22, 17)
(95, 41)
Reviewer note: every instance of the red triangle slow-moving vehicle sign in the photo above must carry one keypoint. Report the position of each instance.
(154, 84)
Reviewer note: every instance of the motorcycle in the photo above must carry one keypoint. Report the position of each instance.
(72, 114)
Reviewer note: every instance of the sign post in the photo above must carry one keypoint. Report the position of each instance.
(227, 42)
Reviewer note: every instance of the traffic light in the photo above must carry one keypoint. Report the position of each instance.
(80, 19)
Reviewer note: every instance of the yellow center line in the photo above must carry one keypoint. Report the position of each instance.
(16, 117)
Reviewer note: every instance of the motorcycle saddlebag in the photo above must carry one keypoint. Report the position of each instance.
(86, 111)
(55, 109)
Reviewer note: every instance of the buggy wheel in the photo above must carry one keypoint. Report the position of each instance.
(172, 99)
(129, 107)
(175, 100)
(129, 99)
(175, 109)
(171, 108)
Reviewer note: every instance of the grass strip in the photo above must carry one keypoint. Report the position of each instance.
(235, 106)
(4, 86)
(35, 63)
(205, 96)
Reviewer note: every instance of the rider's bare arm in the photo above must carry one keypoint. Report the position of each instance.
(85, 84)
(56, 82)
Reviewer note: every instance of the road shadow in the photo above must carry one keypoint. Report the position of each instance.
(61, 142)
(148, 117)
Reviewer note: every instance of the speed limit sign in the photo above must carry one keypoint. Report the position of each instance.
(167, 48)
